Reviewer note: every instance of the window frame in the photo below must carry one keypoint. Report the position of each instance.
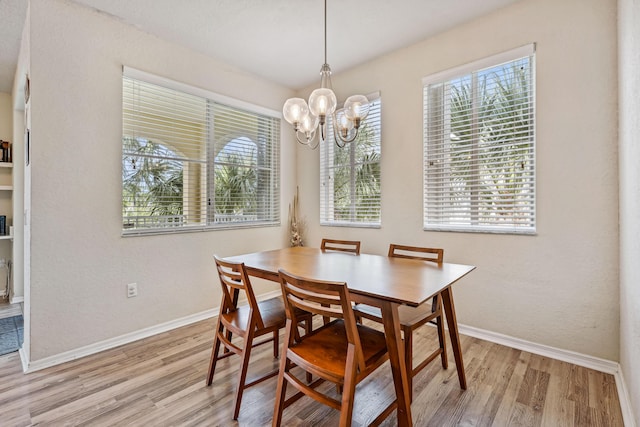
(326, 150)
(273, 165)
(446, 77)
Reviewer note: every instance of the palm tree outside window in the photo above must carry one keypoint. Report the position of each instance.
(193, 162)
(350, 176)
(479, 146)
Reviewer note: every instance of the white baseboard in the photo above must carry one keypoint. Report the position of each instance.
(579, 359)
(24, 359)
(32, 366)
(90, 349)
(12, 300)
(625, 400)
(595, 363)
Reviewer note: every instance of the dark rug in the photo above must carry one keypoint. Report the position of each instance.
(11, 334)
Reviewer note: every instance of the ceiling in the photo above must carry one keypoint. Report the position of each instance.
(280, 40)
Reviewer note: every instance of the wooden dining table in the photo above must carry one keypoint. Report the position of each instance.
(381, 281)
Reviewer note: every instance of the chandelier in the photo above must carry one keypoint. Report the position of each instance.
(311, 120)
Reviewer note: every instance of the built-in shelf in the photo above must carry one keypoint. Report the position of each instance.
(6, 187)
(6, 165)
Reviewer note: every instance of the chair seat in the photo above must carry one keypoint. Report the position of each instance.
(272, 311)
(408, 316)
(325, 349)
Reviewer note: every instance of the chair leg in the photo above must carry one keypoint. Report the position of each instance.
(276, 337)
(214, 354)
(349, 390)
(443, 341)
(281, 392)
(308, 325)
(281, 389)
(408, 358)
(325, 319)
(242, 375)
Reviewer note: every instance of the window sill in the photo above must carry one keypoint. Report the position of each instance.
(195, 229)
(496, 230)
(350, 224)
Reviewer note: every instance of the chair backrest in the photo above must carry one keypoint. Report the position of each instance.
(324, 298)
(234, 281)
(352, 246)
(416, 252)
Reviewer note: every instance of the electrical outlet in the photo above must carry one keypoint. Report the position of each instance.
(3, 263)
(132, 290)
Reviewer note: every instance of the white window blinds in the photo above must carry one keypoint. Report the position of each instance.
(245, 166)
(350, 176)
(190, 162)
(479, 146)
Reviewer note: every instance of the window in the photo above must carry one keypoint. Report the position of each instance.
(194, 160)
(350, 176)
(479, 146)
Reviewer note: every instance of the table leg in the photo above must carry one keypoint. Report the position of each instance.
(450, 313)
(396, 358)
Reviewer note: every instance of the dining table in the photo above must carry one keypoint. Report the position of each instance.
(376, 280)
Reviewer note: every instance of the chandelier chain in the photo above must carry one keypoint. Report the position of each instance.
(325, 32)
(310, 121)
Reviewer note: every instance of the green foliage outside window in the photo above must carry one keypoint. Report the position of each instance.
(492, 141)
(350, 175)
(151, 180)
(357, 192)
(236, 185)
(153, 190)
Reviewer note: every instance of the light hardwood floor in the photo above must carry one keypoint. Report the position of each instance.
(160, 381)
(9, 310)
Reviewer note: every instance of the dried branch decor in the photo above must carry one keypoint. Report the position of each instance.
(296, 225)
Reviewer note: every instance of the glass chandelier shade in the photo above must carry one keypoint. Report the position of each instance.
(295, 110)
(308, 118)
(322, 102)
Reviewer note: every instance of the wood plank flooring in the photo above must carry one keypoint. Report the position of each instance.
(9, 310)
(160, 381)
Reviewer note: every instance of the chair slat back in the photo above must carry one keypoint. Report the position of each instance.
(352, 246)
(416, 252)
(234, 281)
(323, 298)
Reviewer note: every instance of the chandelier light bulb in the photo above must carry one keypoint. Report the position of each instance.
(343, 121)
(356, 107)
(295, 110)
(322, 102)
(343, 125)
(309, 123)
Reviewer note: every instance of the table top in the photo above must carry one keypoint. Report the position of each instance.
(400, 280)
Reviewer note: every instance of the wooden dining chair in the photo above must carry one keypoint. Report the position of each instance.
(331, 245)
(351, 246)
(342, 351)
(411, 318)
(249, 321)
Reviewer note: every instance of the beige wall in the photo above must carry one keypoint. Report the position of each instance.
(6, 113)
(560, 287)
(629, 117)
(80, 264)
